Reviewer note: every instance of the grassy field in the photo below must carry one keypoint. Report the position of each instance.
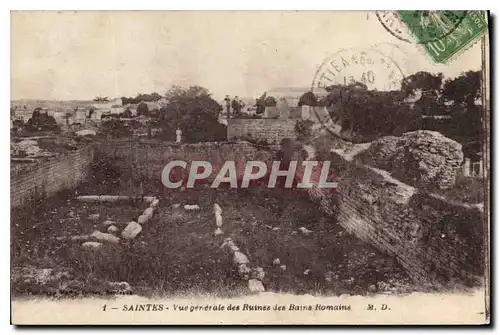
(178, 254)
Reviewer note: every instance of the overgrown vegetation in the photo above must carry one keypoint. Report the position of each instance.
(194, 112)
(425, 101)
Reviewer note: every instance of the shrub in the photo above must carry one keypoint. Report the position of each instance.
(303, 129)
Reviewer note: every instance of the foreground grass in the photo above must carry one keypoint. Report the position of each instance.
(177, 253)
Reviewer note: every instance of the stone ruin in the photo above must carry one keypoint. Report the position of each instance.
(420, 158)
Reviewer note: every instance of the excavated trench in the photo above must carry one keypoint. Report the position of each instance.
(298, 247)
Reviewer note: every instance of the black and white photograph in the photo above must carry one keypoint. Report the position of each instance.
(250, 167)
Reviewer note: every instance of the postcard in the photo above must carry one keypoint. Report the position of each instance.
(250, 167)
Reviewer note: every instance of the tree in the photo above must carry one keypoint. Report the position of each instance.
(270, 102)
(101, 99)
(365, 115)
(194, 112)
(308, 99)
(127, 113)
(148, 97)
(463, 90)
(41, 121)
(460, 96)
(428, 87)
(91, 111)
(142, 109)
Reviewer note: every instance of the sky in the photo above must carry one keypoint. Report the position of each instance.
(81, 55)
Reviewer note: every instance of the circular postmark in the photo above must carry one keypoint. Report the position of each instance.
(390, 20)
(350, 70)
(425, 26)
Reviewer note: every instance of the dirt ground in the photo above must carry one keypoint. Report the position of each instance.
(177, 252)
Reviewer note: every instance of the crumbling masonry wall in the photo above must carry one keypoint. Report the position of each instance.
(46, 178)
(145, 160)
(439, 242)
(271, 130)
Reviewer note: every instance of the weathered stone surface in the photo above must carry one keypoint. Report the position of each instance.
(283, 267)
(176, 205)
(276, 261)
(92, 245)
(85, 132)
(108, 223)
(104, 237)
(409, 222)
(112, 229)
(218, 231)
(154, 203)
(255, 285)
(191, 207)
(240, 258)
(143, 219)
(218, 220)
(217, 209)
(131, 230)
(149, 212)
(305, 231)
(418, 158)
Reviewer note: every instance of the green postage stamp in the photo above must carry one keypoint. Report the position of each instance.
(443, 34)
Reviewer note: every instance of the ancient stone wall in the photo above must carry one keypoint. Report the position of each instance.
(437, 241)
(272, 130)
(43, 179)
(420, 158)
(145, 160)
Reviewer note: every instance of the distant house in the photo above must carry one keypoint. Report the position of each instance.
(116, 109)
(60, 117)
(107, 104)
(287, 101)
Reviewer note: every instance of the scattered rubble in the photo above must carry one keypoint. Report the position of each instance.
(255, 286)
(112, 229)
(148, 212)
(142, 219)
(305, 231)
(104, 237)
(218, 219)
(92, 245)
(419, 158)
(240, 258)
(131, 230)
(108, 223)
(85, 132)
(242, 262)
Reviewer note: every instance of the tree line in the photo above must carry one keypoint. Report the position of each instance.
(425, 101)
